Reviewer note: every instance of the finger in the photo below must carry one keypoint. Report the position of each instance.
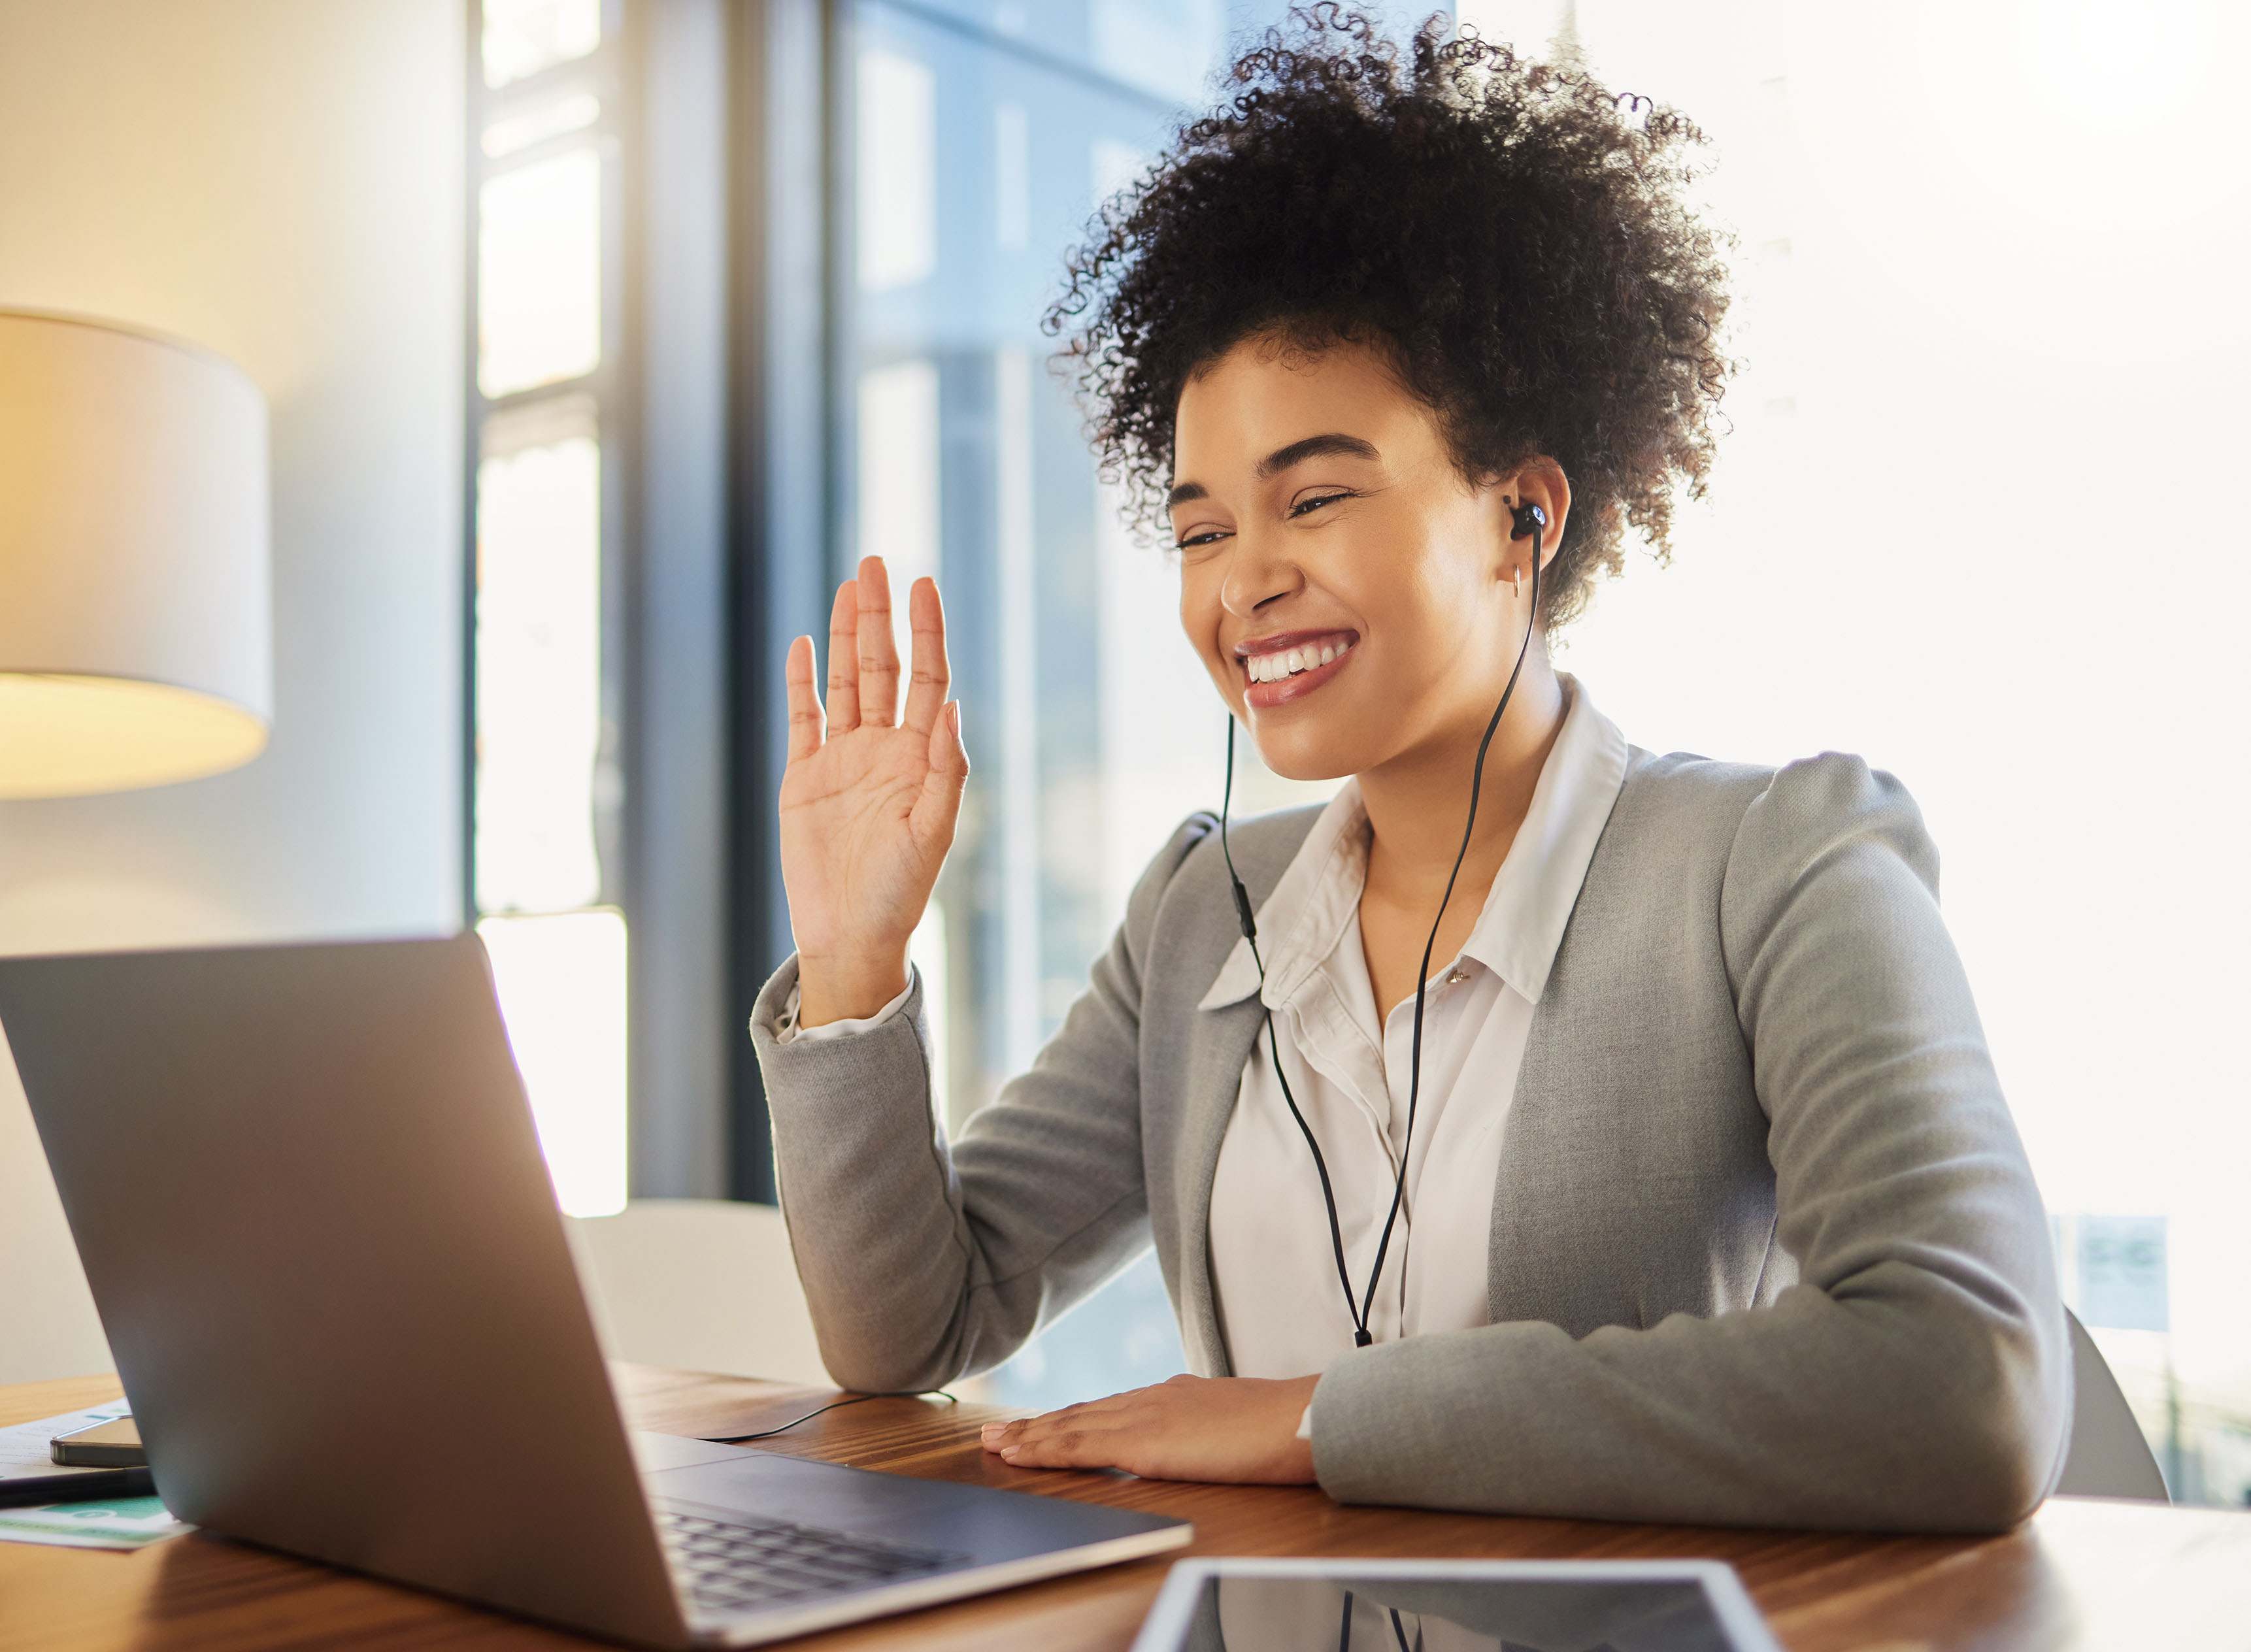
(998, 1437)
(1071, 1449)
(1113, 1412)
(1107, 1406)
(1048, 1424)
(843, 659)
(879, 651)
(926, 690)
(993, 1435)
(804, 702)
(940, 806)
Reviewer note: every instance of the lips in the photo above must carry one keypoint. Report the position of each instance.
(1282, 668)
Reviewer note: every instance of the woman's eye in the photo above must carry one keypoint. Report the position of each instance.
(1205, 537)
(1307, 507)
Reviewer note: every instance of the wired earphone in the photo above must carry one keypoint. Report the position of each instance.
(1525, 520)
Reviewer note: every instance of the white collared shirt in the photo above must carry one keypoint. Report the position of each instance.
(1281, 1305)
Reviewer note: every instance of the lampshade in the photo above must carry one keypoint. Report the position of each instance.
(136, 591)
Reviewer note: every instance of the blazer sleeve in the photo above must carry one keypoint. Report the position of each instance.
(1917, 1377)
(921, 1262)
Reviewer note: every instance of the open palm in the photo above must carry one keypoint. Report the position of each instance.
(869, 797)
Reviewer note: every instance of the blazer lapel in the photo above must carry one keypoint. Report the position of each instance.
(1223, 1038)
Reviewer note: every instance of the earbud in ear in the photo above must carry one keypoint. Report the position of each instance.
(1529, 520)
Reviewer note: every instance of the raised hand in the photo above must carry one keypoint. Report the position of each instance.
(868, 801)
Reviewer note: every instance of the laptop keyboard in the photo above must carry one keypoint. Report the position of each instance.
(729, 1566)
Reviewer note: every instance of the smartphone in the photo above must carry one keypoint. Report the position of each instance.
(106, 1445)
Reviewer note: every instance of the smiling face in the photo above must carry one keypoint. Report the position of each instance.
(1346, 588)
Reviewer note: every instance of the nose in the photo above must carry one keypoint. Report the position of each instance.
(1258, 573)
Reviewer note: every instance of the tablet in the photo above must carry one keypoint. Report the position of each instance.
(1218, 1605)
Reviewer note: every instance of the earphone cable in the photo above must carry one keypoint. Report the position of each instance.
(1359, 1307)
(1422, 976)
(838, 1405)
(1361, 1337)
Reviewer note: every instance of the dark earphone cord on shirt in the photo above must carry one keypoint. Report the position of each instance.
(1526, 519)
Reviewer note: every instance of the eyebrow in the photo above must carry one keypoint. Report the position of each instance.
(1331, 442)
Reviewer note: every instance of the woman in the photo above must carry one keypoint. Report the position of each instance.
(1711, 1209)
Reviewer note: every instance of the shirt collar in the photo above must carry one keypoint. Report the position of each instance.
(1521, 928)
(1299, 921)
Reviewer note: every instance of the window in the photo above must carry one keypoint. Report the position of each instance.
(545, 787)
(982, 139)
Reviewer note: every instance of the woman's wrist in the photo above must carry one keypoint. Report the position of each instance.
(847, 990)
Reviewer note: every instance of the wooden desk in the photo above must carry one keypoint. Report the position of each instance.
(2081, 1574)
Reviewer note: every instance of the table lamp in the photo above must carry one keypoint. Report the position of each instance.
(136, 592)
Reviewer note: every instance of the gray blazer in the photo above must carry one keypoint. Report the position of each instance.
(1766, 1249)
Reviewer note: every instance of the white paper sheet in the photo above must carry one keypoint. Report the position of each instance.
(25, 1449)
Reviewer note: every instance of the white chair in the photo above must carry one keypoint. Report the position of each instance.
(2109, 1457)
(703, 1284)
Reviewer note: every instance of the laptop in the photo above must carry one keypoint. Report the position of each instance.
(311, 1204)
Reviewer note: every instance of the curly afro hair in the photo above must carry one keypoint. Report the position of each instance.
(1510, 235)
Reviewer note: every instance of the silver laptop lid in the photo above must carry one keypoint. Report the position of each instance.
(311, 1205)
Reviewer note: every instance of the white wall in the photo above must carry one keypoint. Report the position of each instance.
(281, 182)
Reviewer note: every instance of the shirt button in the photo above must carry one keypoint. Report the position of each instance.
(1456, 976)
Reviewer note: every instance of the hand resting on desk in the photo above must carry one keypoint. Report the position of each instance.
(1240, 1430)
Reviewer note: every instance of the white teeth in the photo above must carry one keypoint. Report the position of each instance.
(1272, 667)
